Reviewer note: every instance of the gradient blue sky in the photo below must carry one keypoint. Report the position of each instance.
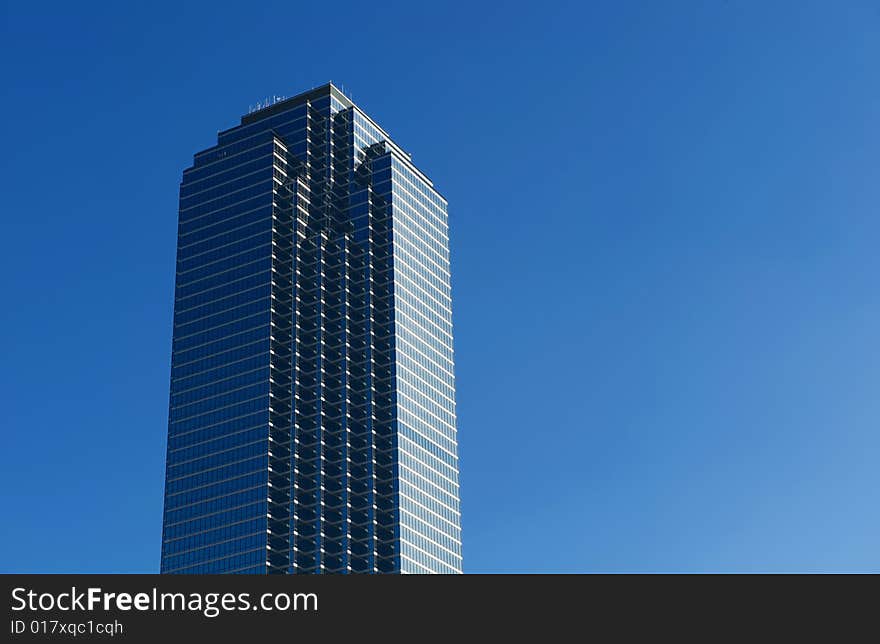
(664, 223)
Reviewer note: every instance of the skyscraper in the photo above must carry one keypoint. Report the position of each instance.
(312, 416)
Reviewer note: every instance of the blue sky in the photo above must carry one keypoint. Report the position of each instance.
(664, 227)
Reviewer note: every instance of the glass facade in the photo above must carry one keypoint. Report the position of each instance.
(312, 410)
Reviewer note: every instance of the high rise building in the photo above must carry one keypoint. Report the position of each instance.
(312, 410)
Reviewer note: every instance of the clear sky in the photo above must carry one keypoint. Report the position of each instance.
(664, 228)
